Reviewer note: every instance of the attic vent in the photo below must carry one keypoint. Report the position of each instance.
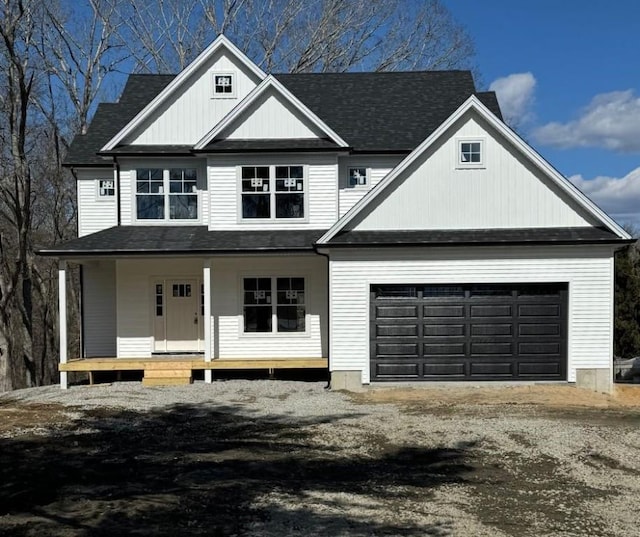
(224, 85)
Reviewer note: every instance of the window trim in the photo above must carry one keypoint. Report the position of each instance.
(273, 276)
(367, 177)
(272, 194)
(102, 198)
(234, 82)
(166, 167)
(460, 164)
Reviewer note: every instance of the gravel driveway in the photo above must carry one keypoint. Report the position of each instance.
(276, 458)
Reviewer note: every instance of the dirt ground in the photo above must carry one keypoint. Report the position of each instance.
(292, 459)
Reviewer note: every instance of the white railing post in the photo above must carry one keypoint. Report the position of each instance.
(206, 281)
(62, 319)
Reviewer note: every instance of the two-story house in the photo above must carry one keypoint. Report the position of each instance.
(388, 226)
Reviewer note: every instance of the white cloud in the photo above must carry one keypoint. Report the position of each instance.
(515, 95)
(611, 120)
(619, 197)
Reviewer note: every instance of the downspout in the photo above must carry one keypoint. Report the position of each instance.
(328, 386)
(116, 170)
(82, 349)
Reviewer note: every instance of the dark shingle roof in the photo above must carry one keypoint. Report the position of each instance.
(373, 112)
(459, 237)
(148, 240)
(298, 144)
(390, 111)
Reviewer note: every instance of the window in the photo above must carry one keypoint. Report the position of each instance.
(273, 192)
(224, 85)
(470, 153)
(170, 194)
(159, 300)
(106, 188)
(262, 314)
(357, 177)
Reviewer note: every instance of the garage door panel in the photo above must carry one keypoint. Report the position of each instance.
(450, 349)
(480, 332)
(498, 310)
(446, 330)
(444, 370)
(398, 369)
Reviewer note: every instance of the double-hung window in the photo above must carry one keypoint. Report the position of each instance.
(270, 192)
(357, 177)
(264, 312)
(166, 194)
(106, 189)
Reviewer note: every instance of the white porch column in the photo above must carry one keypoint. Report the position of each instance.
(62, 319)
(206, 281)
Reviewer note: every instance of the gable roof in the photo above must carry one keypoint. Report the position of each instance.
(268, 83)
(356, 106)
(220, 42)
(473, 103)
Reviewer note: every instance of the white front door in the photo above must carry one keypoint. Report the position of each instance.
(182, 315)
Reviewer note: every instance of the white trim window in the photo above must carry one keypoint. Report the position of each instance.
(106, 189)
(470, 153)
(223, 85)
(272, 192)
(166, 194)
(357, 177)
(287, 313)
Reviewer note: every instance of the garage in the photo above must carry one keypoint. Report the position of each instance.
(468, 332)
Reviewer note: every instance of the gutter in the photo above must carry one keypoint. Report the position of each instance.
(116, 170)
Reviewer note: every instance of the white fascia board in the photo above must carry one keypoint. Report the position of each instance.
(219, 42)
(269, 82)
(474, 103)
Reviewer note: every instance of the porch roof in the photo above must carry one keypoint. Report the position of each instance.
(156, 240)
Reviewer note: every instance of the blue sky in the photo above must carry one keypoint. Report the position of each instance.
(568, 74)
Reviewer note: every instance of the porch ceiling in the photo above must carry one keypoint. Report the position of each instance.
(149, 240)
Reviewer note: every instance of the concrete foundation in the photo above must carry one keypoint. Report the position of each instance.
(350, 381)
(598, 380)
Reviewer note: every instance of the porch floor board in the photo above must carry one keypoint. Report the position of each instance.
(190, 363)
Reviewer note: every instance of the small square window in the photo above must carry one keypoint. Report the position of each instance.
(224, 85)
(357, 177)
(470, 153)
(106, 188)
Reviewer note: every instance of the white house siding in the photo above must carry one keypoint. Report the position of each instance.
(271, 117)
(94, 213)
(193, 112)
(99, 308)
(507, 192)
(377, 167)
(587, 270)
(128, 167)
(229, 341)
(321, 196)
(135, 300)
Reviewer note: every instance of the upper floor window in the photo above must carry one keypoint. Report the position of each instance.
(357, 177)
(273, 192)
(166, 194)
(470, 153)
(106, 188)
(224, 85)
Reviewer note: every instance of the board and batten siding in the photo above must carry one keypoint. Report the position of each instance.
(228, 337)
(99, 308)
(271, 117)
(185, 118)
(135, 299)
(321, 201)
(377, 168)
(506, 192)
(94, 213)
(588, 272)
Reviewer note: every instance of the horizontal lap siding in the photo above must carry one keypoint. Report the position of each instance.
(227, 308)
(590, 292)
(99, 308)
(94, 214)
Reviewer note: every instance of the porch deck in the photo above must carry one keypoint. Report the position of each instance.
(163, 370)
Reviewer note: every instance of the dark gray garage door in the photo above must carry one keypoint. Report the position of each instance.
(469, 332)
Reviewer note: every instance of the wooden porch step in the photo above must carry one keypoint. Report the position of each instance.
(167, 377)
(166, 381)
